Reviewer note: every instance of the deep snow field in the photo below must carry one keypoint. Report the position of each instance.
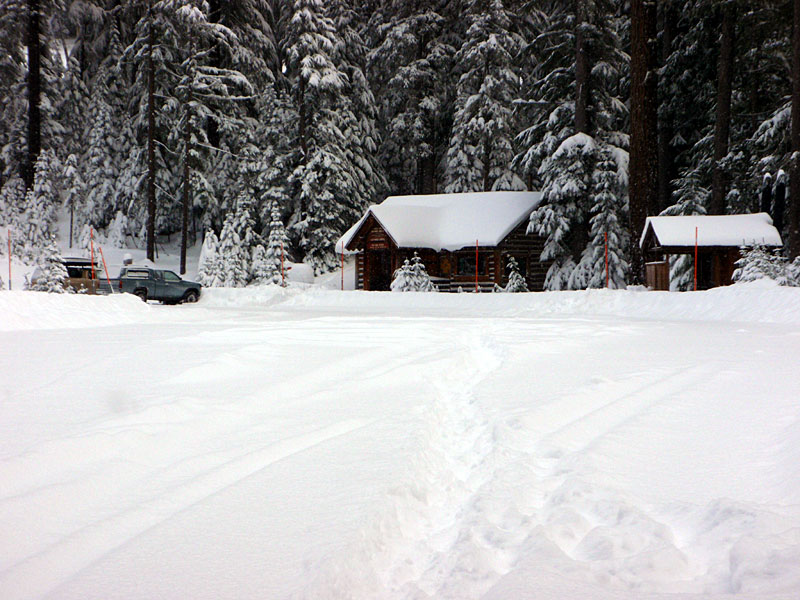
(316, 444)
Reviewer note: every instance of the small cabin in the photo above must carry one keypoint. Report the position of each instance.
(717, 238)
(464, 240)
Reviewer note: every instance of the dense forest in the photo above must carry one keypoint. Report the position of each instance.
(250, 123)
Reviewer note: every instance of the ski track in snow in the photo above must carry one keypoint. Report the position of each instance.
(485, 493)
(529, 447)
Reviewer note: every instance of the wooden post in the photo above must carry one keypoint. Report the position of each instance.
(476, 265)
(283, 280)
(91, 245)
(342, 269)
(695, 259)
(105, 268)
(9, 260)
(606, 234)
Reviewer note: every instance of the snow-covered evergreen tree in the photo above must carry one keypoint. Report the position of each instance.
(757, 262)
(234, 257)
(609, 222)
(209, 267)
(403, 279)
(101, 172)
(481, 146)
(35, 226)
(411, 72)
(690, 199)
(516, 282)
(277, 248)
(419, 275)
(568, 138)
(74, 191)
(412, 277)
(52, 272)
(566, 174)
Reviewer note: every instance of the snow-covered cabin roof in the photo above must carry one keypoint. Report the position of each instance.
(448, 221)
(713, 230)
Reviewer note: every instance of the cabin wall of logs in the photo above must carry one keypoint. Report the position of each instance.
(379, 257)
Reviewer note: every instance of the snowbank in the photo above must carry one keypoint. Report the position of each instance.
(38, 310)
(760, 301)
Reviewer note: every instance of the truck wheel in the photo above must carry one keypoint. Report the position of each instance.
(191, 297)
(141, 294)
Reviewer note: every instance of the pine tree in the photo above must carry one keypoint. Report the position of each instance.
(209, 268)
(516, 282)
(412, 277)
(12, 94)
(576, 81)
(566, 175)
(481, 146)
(317, 83)
(35, 226)
(419, 275)
(75, 191)
(53, 273)
(277, 246)
(610, 216)
(101, 176)
(410, 69)
(403, 279)
(759, 263)
(233, 256)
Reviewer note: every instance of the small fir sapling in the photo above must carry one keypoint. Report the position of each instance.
(422, 280)
(516, 282)
(412, 277)
(403, 279)
(758, 263)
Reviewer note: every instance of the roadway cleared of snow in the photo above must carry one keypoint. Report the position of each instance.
(267, 443)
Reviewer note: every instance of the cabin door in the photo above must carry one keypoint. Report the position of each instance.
(380, 270)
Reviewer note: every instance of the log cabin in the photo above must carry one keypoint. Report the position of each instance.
(719, 238)
(464, 240)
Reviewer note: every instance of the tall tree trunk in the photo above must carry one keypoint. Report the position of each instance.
(644, 126)
(582, 70)
(34, 81)
(151, 148)
(186, 183)
(794, 181)
(719, 179)
(666, 153)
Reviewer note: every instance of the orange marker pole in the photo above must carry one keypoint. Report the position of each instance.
(9, 260)
(695, 259)
(108, 279)
(91, 244)
(476, 265)
(283, 281)
(342, 269)
(606, 260)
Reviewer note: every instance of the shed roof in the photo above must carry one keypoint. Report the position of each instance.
(713, 230)
(448, 221)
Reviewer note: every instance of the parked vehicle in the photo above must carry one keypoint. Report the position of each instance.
(80, 277)
(156, 284)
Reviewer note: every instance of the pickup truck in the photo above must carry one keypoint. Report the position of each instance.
(153, 284)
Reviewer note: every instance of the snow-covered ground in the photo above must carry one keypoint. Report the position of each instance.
(309, 443)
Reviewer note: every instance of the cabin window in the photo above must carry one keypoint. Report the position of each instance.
(466, 264)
